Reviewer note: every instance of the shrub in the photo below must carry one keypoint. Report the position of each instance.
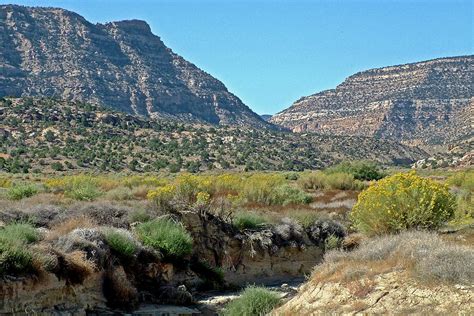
(253, 301)
(162, 195)
(121, 241)
(336, 181)
(82, 188)
(248, 220)
(360, 170)
(423, 253)
(20, 191)
(286, 194)
(324, 229)
(401, 202)
(139, 215)
(120, 194)
(15, 256)
(166, 235)
(21, 232)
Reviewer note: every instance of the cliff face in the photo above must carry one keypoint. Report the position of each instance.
(430, 102)
(123, 65)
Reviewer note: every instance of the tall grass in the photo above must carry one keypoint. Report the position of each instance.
(167, 236)
(254, 300)
(15, 255)
(319, 180)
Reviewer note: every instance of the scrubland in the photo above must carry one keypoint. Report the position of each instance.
(369, 223)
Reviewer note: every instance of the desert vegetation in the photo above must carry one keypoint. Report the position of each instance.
(77, 225)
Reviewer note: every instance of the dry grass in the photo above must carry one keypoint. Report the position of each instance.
(77, 266)
(425, 255)
(69, 225)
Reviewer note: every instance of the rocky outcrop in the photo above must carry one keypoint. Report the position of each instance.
(391, 293)
(430, 102)
(261, 257)
(122, 65)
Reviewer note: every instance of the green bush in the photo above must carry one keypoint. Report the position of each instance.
(401, 202)
(286, 194)
(360, 170)
(22, 232)
(121, 242)
(82, 188)
(248, 220)
(15, 256)
(167, 236)
(334, 181)
(20, 191)
(253, 301)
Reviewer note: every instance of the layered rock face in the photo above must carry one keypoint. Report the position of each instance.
(123, 65)
(429, 102)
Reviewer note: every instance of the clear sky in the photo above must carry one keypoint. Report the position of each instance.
(271, 52)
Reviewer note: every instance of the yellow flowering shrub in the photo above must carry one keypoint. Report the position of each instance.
(162, 195)
(203, 198)
(401, 202)
(5, 182)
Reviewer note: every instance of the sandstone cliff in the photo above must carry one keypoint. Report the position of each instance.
(429, 102)
(123, 65)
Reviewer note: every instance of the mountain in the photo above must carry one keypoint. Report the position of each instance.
(123, 65)
(424, 103)
(44, 135)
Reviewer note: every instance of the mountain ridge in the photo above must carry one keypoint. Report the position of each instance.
(401, 102)
(58, 53)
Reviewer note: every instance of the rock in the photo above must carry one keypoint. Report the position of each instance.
(428, 102)
(121, 64)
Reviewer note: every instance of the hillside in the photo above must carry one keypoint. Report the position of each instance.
(44, 135)
(430, 102)
(123, 65)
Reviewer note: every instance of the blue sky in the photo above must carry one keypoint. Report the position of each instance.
(271, 52)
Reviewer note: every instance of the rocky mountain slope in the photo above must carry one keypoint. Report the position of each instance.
(43, 135)
(122, 65)
(430, 102)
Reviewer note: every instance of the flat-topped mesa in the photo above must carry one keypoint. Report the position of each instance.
(122, 65)
(420, 103)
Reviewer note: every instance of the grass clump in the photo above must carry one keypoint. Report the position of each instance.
(81, 188)
(121, 242)
(167, 236)
(15, 255)
(248, 220)
(253, 301)
(20, 191)
(21, 232)
(400, 202)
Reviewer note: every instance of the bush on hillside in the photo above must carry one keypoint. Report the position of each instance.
(253, 301)
(167, 236)
(400, 202)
